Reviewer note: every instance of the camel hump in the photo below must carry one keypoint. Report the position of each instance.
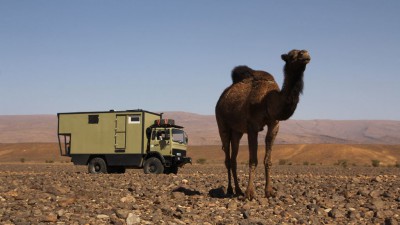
(240, 73)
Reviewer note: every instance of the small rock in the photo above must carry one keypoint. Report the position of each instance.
(312, 207)
(232, 205)
(60, 212)
(122, 213)
(184, 181)
(128, 199)
(379, 214)
(377, 179)
(102, 216)
(177, 195)
(387, 194)
(51, 218)
(378, 204)
(30, 201)
(132, 219)
(328, 210)
(246, 214)
(369, 214)
(363, 192)
(64, 202)
(335, 213)
(116, 221)
(353, 214)
(375, 194)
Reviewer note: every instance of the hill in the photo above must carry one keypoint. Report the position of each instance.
(202, 130)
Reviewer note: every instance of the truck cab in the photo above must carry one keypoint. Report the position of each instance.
(168, 141)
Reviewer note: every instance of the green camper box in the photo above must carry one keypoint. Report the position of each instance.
(111, 141)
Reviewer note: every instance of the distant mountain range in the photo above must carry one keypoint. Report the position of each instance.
(203, 130)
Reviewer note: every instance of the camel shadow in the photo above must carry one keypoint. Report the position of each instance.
(221, 192)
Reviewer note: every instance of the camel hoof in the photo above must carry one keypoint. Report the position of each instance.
(270, 194)
(229, 192)
(249, 195)
(239, 192)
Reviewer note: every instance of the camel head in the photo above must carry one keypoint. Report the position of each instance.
(297, 58)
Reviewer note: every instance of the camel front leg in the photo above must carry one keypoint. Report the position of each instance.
(273, 129)
(253, 145)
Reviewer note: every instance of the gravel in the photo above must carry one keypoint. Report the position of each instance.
(67, 194)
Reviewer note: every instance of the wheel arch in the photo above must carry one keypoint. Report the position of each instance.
(155, 154)
(96, 156)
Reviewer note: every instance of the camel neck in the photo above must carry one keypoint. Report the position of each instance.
(291, 89)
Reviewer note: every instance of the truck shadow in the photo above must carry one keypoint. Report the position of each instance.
(187, 191)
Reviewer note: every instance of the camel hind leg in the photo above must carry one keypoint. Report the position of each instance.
(228, 165)
(235, 140)
(253, 161)
(226, 135)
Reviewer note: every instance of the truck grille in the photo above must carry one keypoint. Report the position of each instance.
(179, 152)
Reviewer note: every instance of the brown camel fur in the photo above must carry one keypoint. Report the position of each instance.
(251, 102)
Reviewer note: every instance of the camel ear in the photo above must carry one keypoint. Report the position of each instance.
(284, 57)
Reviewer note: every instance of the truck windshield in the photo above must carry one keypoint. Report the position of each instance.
(179, 136)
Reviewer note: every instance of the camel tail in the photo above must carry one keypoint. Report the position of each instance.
(240, 73)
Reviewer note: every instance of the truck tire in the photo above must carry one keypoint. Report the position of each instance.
(153, 166)
(97, 165)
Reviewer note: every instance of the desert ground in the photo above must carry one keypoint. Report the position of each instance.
(314, 184)
(61, 193)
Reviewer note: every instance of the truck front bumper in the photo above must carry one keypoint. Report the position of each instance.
(181, 161)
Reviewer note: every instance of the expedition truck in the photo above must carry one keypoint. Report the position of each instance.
(111, 141)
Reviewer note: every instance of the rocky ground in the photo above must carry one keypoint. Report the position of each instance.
(66, 194)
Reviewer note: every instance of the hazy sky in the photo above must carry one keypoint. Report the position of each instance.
(63, 56)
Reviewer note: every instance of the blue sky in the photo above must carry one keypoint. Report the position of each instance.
(62, 56)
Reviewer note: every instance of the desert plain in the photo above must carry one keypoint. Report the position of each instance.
(334, 181)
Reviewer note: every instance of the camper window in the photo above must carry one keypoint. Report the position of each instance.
(134, 119)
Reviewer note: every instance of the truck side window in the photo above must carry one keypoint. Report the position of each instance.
(160, 135)
(153, 135)
(166, 133)
(93, 119)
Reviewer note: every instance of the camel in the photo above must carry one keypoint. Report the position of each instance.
(252, 101)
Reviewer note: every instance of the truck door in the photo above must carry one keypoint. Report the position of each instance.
(120, 133)
(160, 141)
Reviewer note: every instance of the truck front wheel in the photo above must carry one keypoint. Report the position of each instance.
(153, 166)
(97, 165)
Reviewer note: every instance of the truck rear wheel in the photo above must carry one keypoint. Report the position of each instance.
(97, 165)
(153, 166)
